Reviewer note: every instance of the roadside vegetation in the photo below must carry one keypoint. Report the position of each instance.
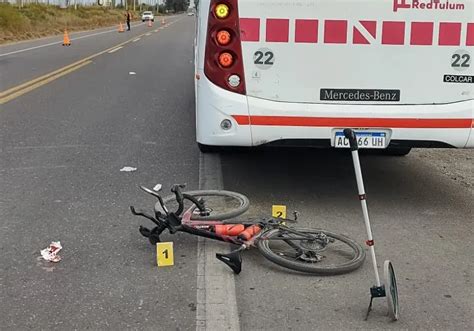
(39, 20)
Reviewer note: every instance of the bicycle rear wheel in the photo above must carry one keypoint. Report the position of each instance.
(326, 254)
(220, 205)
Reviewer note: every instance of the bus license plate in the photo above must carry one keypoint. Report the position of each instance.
(364, 140)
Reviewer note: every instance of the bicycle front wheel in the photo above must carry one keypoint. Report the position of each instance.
(220, 205)
(326, 253)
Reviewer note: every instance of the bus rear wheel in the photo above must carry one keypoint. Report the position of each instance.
(209, 148)
(397, 151)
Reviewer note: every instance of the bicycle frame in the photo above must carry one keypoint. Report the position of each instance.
(196, 228)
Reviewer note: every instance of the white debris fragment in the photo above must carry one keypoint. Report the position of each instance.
(128, 169)
(51, 253)
(157, 187)
(132, 73)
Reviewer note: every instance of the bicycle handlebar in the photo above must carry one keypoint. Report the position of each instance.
(180, 197)
(156, 195)
(176, 189)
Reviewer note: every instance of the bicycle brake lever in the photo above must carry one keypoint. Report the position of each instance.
(156, 195)
(147, 190)
(138, 213)
(177, 187)
(132, 209)
(296, 214)
(158, 214)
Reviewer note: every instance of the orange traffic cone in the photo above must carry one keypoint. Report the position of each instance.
(66, 40)
(149, 23)
(120, 29)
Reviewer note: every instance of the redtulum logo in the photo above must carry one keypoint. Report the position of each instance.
(427, 5)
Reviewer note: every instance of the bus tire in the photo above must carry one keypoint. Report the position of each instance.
(397, 151)
(209, 148)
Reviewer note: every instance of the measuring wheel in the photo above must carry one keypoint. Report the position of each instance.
(379, 290)
(391, 290)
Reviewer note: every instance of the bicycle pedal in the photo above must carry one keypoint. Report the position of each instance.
(232, 259)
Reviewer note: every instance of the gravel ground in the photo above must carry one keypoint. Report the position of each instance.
(456, 164)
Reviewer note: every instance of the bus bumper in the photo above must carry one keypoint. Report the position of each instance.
(257, 121)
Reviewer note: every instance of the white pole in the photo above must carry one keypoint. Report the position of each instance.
(363, 202)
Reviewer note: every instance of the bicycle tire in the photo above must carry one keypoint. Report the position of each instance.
(313, 267)
(242, 204)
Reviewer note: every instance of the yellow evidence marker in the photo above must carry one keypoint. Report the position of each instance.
(279, 211)
(164, 254)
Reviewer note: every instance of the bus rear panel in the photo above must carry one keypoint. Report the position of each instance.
(398, 71)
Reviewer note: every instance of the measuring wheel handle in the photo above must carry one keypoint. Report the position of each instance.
(351, 136)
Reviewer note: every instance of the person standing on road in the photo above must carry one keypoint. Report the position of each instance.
(128, 17)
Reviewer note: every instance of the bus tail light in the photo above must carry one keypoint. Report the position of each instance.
(223, 63)
(221, 10)
(223, 37)
(226, 59)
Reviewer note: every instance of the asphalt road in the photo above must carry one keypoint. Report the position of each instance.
(62, 146)
(22, 61)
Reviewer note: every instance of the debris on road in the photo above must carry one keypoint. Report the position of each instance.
(128, 169)
(51, 253)
(132, 73)
(157, 187)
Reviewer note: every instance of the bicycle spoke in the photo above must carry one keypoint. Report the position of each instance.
(321, 250)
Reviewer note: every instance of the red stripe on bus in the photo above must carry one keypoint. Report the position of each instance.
(335, 32)
(278, 30)
(421, 123)
(358, 38)
(306, 31)
(393, 33)
(370, 26)
(470, 34)
(249, 29)
(449, 34)
(421, 33)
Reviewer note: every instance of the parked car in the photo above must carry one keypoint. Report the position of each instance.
(148, 16)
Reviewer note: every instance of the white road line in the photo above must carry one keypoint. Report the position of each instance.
(216, 299)
(148, 34)
(135, 40)
(35, 168)
(114, 50)
(59, 42)
(30, 48)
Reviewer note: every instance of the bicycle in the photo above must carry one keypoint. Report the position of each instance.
(306, 250)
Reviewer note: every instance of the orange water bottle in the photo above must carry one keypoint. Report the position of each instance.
(229, 229)
(249, 232)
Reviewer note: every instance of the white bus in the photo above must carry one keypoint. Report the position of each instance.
(294, 72)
